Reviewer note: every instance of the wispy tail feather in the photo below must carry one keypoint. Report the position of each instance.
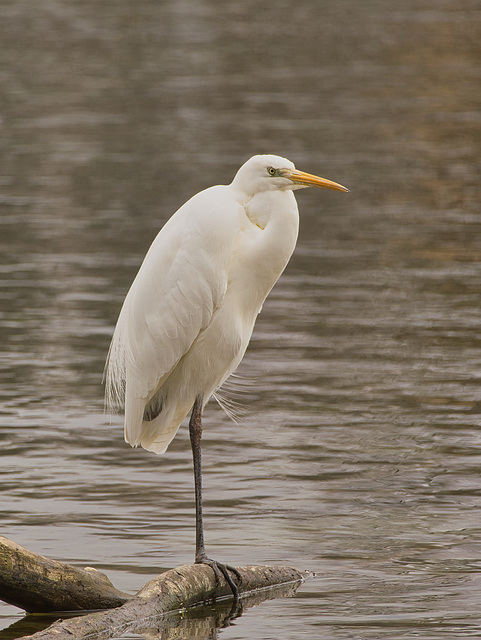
(114, 377)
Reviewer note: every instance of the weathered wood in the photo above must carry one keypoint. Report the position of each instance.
(38, 584)
(174, 590)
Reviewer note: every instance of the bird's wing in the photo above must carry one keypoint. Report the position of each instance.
(173, 298)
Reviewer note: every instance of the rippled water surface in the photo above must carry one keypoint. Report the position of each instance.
(360, 450)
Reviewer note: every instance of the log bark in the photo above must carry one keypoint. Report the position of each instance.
(172, 591)
(39, 584)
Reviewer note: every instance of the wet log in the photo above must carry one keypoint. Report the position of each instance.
(200, 623)
(39, 584)
(175, 590)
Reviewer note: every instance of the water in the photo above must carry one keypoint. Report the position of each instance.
(360, 452)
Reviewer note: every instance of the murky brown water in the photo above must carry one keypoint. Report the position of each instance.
(360, 453)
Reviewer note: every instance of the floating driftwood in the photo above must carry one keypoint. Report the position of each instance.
(38, 584)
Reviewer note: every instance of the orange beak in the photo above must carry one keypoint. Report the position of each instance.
(308, 180)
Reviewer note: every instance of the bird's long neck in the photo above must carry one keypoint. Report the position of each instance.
(271, 207)
(269, 242)
(275, 213)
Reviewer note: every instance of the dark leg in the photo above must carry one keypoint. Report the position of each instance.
(195, 430)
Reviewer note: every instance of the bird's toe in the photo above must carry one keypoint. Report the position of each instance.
(223, 569)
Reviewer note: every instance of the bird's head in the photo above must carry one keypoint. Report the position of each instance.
(270, 173)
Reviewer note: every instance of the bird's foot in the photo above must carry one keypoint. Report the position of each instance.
(222, 569)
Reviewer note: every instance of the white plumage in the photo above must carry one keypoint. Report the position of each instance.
(189, 315)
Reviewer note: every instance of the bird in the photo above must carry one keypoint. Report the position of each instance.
(189, 314)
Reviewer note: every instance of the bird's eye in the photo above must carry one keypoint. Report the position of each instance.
(271, 171)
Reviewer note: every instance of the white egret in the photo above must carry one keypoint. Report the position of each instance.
(189, 314)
